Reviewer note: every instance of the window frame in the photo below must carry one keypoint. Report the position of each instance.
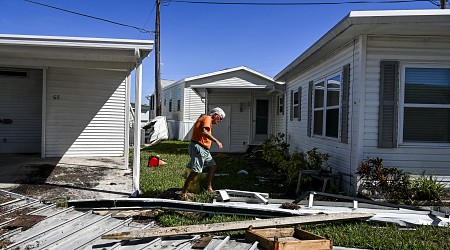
(296, 115)
(402, 105)
(325, 107)
(280, 101)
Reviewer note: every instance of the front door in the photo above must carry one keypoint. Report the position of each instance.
(260, 120)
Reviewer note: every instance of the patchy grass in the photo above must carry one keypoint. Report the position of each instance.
(157, 182)
(388, 236)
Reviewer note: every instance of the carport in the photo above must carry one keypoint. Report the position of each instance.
(70, 96)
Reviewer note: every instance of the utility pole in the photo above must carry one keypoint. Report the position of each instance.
(157, 62)
(443, 3)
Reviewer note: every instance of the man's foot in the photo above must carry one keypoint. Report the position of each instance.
(211, 191)
(185, 197)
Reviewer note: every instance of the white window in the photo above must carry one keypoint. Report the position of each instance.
(326, 109)
(296, 104)
(281, 105)
(426, 104)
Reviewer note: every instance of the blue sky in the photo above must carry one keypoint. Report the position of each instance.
(195, 38)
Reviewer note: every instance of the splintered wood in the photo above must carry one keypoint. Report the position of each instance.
(229, 226)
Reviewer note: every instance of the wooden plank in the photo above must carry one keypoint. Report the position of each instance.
(237, 225)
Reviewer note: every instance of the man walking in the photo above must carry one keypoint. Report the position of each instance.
(199, 149)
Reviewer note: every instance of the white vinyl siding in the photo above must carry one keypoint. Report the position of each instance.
(237, 79)
(240, 117)
(88, 118)
(192, 105)
(342, 159)
(170, 110)
(280, 118)
(21, 111)
(407, 50)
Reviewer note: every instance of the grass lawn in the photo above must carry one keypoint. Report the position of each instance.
(157, 182)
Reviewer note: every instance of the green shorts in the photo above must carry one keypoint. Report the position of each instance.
(200, 158)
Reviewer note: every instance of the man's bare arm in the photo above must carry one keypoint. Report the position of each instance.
(211, 137)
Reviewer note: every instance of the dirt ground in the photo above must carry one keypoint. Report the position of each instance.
(71, 178)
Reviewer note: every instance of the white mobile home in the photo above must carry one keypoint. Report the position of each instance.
(67, 96)
(376, 85)
(247, 97)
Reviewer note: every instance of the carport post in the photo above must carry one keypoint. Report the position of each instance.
(137, 124)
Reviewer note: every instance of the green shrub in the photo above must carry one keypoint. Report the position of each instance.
(275, 149)
(427, 188)
(276, 153)
(388, 182)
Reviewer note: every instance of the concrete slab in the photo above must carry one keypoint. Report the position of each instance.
(67, 177)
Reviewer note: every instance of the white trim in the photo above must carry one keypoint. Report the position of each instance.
(78, 42)
(228, 87)
(359, 154)
(397, 13)
(44, 111)
(220, 72)
(127, 121)
(137, 126)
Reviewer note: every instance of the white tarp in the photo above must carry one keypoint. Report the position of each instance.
(156, 130)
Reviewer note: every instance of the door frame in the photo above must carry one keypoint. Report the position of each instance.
(256, 140)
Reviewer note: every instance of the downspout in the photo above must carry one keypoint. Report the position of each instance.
(137, 124)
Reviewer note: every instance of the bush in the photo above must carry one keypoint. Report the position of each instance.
(387, 182)
(275, 150)
(276, 153)
(427, 188)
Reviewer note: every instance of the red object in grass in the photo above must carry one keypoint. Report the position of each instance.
(155, 161)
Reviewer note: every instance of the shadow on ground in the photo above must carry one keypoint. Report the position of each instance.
(67, 177)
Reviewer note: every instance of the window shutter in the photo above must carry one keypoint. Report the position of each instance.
(345, 102)
(388, 114)
(292, 105)
(299, 103)
(310, 94)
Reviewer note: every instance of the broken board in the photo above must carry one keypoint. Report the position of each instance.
(288, 239)
(230, 226)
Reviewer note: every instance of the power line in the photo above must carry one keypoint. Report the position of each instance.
(93, 17)
(149, 15)
(293, 3)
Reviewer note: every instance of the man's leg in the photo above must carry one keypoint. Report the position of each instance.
(190, 177)
(211, 172)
